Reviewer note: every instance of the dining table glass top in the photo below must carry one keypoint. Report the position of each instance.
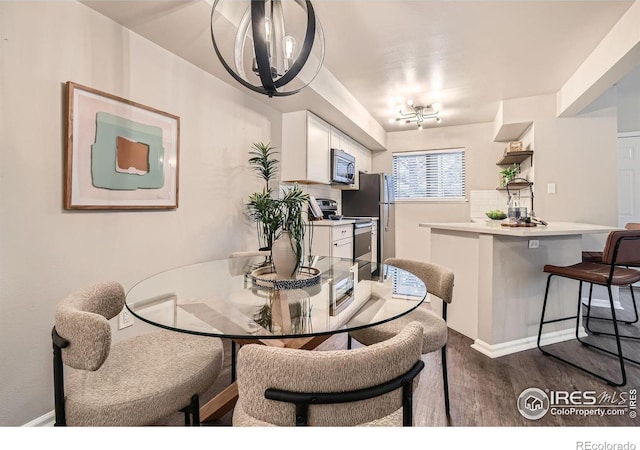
(240, 298)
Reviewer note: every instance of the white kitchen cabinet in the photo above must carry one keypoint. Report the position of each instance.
(337, 139)
(305, 155)
(342, 248)
(334, 241)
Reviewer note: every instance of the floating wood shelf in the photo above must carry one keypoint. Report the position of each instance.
(514, 157)
(514, 186)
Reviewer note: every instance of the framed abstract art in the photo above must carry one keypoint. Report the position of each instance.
(120, 154)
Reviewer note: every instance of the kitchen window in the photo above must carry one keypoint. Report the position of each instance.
(430, 175)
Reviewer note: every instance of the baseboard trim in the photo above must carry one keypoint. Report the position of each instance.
(46, 420)
(519, 345)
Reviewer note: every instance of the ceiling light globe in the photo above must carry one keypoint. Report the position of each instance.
(270, 48)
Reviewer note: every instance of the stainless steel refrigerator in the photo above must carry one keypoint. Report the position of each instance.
(375, 198)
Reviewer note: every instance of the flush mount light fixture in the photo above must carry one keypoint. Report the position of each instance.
(271, 46)
(418, 114)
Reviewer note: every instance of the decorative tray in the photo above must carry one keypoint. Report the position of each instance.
(266, 277)
(516, 225)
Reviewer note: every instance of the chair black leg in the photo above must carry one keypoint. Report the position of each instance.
(195, 413)
(619, 355)
(635, 309)
(192, 412)
(445, 381)
(349, 342)
(544, 308)
(233, 361)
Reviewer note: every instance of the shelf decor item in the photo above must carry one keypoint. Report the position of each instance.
(120, 154)
(514, 146)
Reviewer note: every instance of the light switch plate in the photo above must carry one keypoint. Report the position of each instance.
(551, 188)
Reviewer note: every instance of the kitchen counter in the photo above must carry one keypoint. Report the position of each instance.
(332, 223)
(335, 223)
(495, 227)
(500, 281)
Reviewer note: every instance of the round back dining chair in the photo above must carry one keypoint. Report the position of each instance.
(134, 382)
(368, 386)
(439, 282)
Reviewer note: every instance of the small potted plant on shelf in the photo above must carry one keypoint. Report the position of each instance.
(509, 174)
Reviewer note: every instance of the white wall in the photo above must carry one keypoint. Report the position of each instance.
(45, 251)
(577, 154)
(482, 173)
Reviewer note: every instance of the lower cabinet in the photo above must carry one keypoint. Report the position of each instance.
(334, 241)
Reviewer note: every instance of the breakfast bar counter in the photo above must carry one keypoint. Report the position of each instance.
(500, 282)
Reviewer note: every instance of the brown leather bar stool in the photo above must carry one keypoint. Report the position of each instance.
(621, 248)
(597, 258)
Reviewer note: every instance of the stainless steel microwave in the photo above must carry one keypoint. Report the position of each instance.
(343, 167)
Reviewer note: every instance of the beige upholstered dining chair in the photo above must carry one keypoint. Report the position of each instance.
(439, 282)
(369, 386)
(130, 383)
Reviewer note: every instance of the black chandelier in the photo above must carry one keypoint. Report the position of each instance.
(266, 57)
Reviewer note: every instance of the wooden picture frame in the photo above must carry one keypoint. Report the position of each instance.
(119, 154)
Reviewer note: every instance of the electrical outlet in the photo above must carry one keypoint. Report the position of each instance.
(125, 319)
(534, 243)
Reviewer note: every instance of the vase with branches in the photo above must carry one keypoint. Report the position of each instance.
(277, 216)
(292, 205)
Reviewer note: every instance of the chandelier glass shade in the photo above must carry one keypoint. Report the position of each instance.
(273, 47)
(418, 114)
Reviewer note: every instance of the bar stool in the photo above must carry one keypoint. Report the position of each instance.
(621, 248)
(596, 257)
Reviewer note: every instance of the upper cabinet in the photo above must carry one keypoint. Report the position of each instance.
(305, 155)
(307, 141)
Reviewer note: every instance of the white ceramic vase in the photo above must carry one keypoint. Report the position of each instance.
(283, 257)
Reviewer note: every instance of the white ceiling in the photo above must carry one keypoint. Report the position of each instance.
(467, 55)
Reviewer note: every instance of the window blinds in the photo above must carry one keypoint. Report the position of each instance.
(435, 175)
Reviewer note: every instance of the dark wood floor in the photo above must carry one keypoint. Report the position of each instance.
(484, 391)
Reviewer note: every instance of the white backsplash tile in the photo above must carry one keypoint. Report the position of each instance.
(482, 201)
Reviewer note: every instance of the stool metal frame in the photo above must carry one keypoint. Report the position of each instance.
(619, 355)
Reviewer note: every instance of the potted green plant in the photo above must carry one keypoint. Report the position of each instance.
(509, 174)
(262, 208)
(275, 217)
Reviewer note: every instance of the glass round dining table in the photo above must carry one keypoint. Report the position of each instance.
(241, 298)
